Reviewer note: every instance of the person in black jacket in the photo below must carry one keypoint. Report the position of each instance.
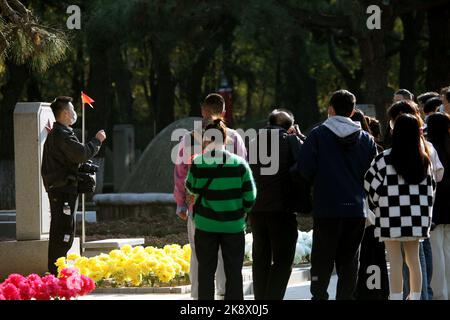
(273, 222)
(439, 136)
(62, 156)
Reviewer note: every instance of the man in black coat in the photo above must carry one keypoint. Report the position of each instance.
(273, 221)
(63, 154)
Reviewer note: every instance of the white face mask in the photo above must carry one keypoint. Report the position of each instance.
(73, 116)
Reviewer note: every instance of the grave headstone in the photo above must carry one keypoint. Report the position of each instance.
(123, 151)
(28, 254)
(32, 122)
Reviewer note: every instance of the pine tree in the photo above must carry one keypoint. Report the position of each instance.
(23, 39)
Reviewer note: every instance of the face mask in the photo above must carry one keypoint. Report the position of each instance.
(73, 118)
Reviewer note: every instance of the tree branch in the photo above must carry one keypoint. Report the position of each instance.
(9, 12)
(307, 18)
(418, 5)
(338, 63)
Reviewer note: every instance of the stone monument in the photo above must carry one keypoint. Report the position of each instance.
(123, 153)
(28, 254)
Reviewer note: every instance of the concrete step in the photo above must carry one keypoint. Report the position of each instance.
(7, 216)
(299, 276)
(7, 229)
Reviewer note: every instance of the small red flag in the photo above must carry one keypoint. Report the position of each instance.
(86, 99)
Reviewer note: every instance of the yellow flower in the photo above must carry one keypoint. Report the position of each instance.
(73, 256)
(60, 262)
(126, 249)
(115, 254)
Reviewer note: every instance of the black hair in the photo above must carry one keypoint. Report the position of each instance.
(405, 93)
(215, 103)
(424, 97)
(217, 124)
(374, 127)
(359, 116)
(281, 118)
(432, 105)
(60, 104)
(409, 156)
(343, 102)
(402, 107)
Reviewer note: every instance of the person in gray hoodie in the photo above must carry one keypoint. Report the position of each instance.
(334, 159)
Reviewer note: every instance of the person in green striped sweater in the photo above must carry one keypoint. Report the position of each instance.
(224, 191)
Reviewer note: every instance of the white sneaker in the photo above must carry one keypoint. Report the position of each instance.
(396, 296)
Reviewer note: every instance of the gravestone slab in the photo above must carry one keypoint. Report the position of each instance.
(123, 151)
(32, 123)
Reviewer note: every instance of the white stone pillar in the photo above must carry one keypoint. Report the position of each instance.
(32, 122)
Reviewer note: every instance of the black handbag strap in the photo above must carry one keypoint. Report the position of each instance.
(208, 183)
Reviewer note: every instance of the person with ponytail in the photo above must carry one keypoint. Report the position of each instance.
(213, 107)
(224, 191)
(400, 185)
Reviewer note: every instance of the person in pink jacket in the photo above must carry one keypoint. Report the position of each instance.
(212, 107)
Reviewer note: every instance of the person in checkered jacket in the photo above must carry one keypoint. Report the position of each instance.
(400, 185)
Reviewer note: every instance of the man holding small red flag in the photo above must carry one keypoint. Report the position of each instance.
(62, 157)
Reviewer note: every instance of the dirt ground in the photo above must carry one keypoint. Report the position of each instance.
(157, 230)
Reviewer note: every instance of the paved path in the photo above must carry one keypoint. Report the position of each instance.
(298, 289)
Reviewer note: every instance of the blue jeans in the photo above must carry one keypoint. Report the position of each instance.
(429, 262)
(423, 267)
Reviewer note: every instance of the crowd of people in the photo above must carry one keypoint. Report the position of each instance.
(369, 194)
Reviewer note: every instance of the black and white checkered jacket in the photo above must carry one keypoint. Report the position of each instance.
(401, 209)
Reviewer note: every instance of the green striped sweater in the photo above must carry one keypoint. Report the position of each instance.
(229, 197)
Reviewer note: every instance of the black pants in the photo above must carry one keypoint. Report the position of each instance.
(206, 248)
(274, 240)
(373, 253)
(335, 241)
(62, 227)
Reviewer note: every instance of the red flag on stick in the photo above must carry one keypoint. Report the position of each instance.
(86, 99)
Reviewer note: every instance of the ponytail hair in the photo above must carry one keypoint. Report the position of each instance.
(216, 124)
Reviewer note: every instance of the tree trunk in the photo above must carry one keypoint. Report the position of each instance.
(100, 89)
(438, 71)
(78, 80)
(121, 77)
(375, 75)
(33, 91)
(11, 92)
(163, 87)
(412, 26)
(374, 61)
(249, 109)
(299, 90)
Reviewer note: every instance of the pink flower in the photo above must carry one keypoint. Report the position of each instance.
(27, 292)
(10, 291)
(74, 283)
(67, 272)
(52, 285)
(15, 279)
(2, 297)
(88, 285)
